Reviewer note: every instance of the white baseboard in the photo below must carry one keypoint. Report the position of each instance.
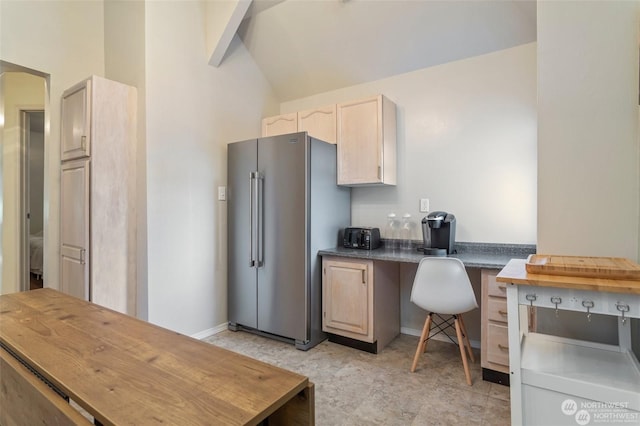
(404, 330)
(440, 337)
(210, 331)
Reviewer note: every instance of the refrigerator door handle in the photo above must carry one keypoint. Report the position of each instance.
(252, 259)
(260, 219)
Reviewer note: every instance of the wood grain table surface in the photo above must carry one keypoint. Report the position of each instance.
(515, 272)
(126, 371)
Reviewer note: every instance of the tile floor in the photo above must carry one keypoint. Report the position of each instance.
(357, 388)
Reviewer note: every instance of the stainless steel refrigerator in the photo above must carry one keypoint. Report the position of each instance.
(283, 206)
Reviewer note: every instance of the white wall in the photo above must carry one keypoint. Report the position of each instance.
(2, 77)
(588, 190)
(466, 140)
(65, 40)
(193, 111)
(19, 90)
(588, 172)
(124, 51)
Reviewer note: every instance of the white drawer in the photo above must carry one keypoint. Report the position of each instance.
(497, 344)
(579, 300)
(497, 310)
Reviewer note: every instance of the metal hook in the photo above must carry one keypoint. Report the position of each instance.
(556, 301)
(588, 304)
(531, 298)
(622, 307)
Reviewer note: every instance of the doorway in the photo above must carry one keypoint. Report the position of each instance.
(32, 144)
(23, 203)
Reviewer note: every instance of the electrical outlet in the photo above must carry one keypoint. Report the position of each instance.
(424, 205)
(222, 193)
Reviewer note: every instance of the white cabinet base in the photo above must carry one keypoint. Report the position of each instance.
(563, 409)
(601, 382)
(583, 369)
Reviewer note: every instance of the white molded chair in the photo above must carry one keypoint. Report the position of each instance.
(442, 286)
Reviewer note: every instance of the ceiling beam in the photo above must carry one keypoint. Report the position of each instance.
(222, 21)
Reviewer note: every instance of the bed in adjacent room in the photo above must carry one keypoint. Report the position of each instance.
(36, 254)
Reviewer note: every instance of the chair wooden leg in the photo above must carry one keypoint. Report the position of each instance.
(426, 336)
(422, 344)
(462, 351)
(466, 338)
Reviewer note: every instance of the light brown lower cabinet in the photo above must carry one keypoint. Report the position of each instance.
(360, 302)
(494, 349)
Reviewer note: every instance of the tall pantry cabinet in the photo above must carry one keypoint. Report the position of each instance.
(97, 193)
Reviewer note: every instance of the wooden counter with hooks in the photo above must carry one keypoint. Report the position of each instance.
(515, 272)
(557, 380)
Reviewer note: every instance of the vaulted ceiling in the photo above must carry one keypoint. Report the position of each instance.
(305, 47)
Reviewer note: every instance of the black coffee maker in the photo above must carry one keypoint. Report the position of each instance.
(439, 233)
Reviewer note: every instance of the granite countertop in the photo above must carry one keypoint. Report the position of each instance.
(473, 255)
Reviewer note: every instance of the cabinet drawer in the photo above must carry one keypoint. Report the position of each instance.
(497, 310)
(497, 344)
(495, 288)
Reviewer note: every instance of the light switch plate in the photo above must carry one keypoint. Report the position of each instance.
(424, 205)
(222, 193)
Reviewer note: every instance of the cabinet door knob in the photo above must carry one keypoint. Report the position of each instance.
(364, 281)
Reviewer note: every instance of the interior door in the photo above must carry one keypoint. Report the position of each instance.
(32, 198)
(74, 229)
(76, 128)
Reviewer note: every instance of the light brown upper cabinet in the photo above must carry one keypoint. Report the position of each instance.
(319, 123)
(280, 124)
(366, 136)
(364, 130)
(76, 122)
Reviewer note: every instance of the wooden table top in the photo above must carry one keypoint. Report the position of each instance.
(515, 272)
(126, 371)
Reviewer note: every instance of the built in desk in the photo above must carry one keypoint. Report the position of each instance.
(473, 255)
(368, 316)
(54, 347)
